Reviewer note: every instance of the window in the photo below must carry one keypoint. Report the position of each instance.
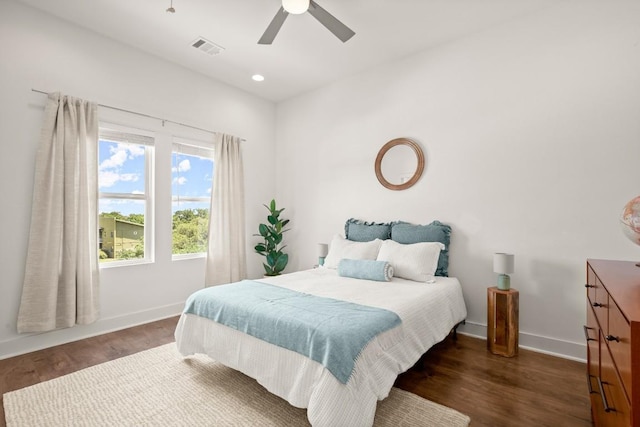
(124, 186)
(191, 180)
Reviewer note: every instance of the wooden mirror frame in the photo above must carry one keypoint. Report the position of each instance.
(416, 175)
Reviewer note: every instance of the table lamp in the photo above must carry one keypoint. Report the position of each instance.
(323, 250)
(503, 265)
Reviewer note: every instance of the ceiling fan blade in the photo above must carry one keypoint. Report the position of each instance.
(338, 29)
(272, 30)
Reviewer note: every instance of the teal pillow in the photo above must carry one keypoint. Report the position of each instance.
(367, 269)
(361, 231)
(407, 234)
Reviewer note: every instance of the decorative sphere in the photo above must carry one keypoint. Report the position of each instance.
(630, 220)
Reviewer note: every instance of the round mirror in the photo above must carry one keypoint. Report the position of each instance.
(399, 164)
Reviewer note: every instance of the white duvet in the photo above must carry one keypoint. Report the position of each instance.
(428, 313)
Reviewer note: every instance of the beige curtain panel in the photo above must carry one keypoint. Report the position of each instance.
(226, 253)
(60, 286)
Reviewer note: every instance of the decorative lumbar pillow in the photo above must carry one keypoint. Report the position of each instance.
(361, 231)
(405, 233)
(342, 248)
(417, 261)
(365, 269)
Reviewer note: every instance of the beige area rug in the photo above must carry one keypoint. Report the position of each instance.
(159, 387)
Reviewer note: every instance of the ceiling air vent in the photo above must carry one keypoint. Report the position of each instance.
(206, 46)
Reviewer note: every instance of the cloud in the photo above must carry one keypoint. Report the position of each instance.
(109, 171)
(183, 166)
(108, 178)
(181, 180)
(120, 153)
(129, 177)
(116, 160)
(135, 150)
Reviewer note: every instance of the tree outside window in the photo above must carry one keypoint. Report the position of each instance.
(191, 183)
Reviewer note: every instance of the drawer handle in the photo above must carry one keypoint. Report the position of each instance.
(589, 376)
(612, 338)
(597, 304)
(589, 286)
(604, 398)
(586, 333)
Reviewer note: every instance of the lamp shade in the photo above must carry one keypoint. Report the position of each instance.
(295, 7)
(323, 250)
(503, 263)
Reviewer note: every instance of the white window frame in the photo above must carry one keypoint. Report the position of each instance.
(194, 148)
(121, 134)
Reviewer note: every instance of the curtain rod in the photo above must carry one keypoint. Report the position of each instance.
(145, 115)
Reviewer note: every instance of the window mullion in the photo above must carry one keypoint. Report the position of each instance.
(126, 196)
(149, 230)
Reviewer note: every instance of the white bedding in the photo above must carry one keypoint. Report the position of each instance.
(428, 313)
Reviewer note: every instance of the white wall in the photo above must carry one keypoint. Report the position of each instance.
(531, 132)
(42, 52)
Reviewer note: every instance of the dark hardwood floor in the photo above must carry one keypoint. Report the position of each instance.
(531, 389)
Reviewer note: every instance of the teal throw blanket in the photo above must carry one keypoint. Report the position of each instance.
(331, 332)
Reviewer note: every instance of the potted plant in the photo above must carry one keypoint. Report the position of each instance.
(271, 248)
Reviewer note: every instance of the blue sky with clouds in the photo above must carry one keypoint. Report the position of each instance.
(121, 170)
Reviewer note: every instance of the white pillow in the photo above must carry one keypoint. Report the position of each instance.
(417, 261)
(342, 248)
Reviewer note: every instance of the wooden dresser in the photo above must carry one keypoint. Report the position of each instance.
(613, 342)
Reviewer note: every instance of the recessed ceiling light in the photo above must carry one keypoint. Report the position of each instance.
(257, 77)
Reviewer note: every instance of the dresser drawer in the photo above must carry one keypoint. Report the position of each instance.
(592, 336)
(618, 339)
(591, 284)
(600, 307)
(615, 410)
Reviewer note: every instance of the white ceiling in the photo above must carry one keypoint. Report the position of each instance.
(304, 55)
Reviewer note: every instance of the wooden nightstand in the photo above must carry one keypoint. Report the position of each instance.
(502, 321)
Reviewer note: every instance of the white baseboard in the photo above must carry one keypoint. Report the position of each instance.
(27, 343)
(551, 346)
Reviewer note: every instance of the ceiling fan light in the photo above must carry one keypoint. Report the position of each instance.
(295, 7)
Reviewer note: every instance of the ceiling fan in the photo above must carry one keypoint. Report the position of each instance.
(297, 7)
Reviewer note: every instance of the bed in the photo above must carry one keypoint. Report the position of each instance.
(422, 309)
